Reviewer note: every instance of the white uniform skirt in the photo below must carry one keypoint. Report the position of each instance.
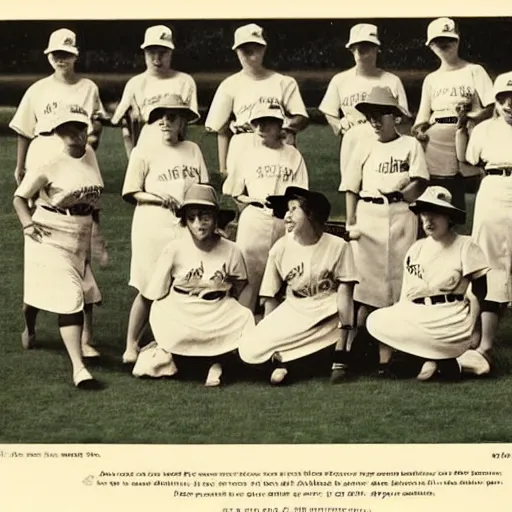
(55, 268)
(492, 231)
(296, 328)
(440, 152)
(440, 331)
(257, 232)
(387, 233)
(153, 227)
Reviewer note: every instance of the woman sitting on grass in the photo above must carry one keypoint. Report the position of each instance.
(318, 272)
(434, 319)
(195, 286)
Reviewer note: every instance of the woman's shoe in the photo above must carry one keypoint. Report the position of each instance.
(82, 379)
(28, 341)
(89, 351)
(214, 376)
(130, 355)
(428, 370)
(278, 376)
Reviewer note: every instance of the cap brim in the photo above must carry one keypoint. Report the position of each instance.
(446, 36)
(456, 214)
(376, 42)
(67, 49)
(256, 40)
(163, 44)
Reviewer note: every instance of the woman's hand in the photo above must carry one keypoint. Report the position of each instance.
(170, 203)
(462, 114)
(35, 232)
(419, 130)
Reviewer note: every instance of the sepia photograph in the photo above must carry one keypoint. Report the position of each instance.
(256, 231)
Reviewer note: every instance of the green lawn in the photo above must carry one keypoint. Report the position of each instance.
(38, 404)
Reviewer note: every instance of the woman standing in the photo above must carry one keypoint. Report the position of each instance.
(456, 93)
(317, 269)
(57, 235)
(262, 170)
(34, 148)
(382, 178)
(434, 319)
(238, 94)
(352, 86)
(195, 286)
(158, 79)
(490, 148)
(156, 181)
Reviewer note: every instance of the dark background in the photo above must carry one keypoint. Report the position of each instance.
(110, 50)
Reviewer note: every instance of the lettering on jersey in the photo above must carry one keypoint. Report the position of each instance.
(276, 171)
(353, 99)
(413, 268)
(89, 195)
(50, 107)
(220, 276)
(195, 274)
(295, 272)
(460, 91)
(77, 109)
(324, 283)
(180, 172)
(393, 165)
(246, 107)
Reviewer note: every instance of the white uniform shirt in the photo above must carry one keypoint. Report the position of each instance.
(143, 87)
(432, 269)
(262, 171)
(189, 268)
(238, 94)
(491, 143)
(170, 170)
(308, 270)
(44, 96)
(64, 181)
(444, 90)
(346, 89)
(379, 167)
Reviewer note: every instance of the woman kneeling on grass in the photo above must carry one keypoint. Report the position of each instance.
(195, 286)
(319, 274)
(58, 234)
(434, 319)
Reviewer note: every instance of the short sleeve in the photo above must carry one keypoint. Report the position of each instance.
(203, 171)
(293, 103)
(32, 183)
(301, 176)
(475, 143)
(98, 111)
(135, 173)
(425, 107)
(161, 280)
(220, 110)
(272, 280)
(352, 174)
(401, 94)
(330, 104)
(127, 99)
(24, 120)
(483, 85)
(237, 268)
(235, 182)
(93, 161)
(473, 260)
(417, 161)
(192, 94)
(345, 269)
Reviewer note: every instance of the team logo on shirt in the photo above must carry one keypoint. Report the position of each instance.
(50, 107)
(353, 99)
(393, 165)
(180, 172)
(246, 107)
(413, 268)
(325, 283)
(295, 272)
(276, 171)
(195, 274)
(461, 91)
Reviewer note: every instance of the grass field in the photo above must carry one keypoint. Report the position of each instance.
(38, 403)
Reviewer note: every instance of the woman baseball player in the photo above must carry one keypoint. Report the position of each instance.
(434, 318)
(158, 79)
(38, 103)
(380, 181)
(195, 286)
(490, 148)
(156, 181)
(57, 235)
(238, 94)
(262, 170)
(318, 272)
(456, 93)
(352, 86)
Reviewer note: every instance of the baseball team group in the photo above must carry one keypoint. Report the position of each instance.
(400, 293)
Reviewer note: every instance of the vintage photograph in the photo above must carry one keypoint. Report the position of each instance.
(256, 231)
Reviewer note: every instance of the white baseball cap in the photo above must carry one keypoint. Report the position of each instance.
(262, 110)
(65, 113)
(503, 83)
(62, 40)
(442, 27)
(158, 35)
(251, 33)
(363, 33)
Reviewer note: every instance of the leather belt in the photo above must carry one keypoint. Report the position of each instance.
(447, 120)
(392, 197)
(81, 210)
(206, 296)
(439, 299)
(506, 171)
